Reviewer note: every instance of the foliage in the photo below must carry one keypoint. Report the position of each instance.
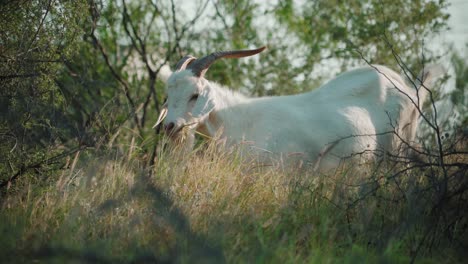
(342, 33)
(37, 37)
(378, 28)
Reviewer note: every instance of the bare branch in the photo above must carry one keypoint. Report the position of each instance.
(125, 85)
(39, 28)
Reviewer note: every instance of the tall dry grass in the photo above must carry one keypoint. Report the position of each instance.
(214, 206)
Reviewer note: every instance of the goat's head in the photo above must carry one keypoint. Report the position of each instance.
(189, 100)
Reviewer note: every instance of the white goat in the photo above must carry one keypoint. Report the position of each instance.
(364, 111)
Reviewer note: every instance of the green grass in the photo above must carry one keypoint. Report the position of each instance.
(212, 207)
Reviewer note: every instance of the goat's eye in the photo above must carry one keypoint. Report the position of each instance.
(194, 97)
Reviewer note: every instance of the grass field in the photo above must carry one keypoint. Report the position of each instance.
(212, 207)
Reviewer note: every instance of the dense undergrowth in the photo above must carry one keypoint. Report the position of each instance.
(211, 207)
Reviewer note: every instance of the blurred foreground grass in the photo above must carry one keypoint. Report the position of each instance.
(214, 207)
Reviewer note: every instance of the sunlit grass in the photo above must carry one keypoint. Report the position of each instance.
(213, 206)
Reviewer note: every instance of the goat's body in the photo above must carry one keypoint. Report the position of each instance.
(358, 112)
(364, 113)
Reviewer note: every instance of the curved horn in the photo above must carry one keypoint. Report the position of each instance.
(200, 66)
(184, 62)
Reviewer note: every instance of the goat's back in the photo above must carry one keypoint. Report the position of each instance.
(356, 113)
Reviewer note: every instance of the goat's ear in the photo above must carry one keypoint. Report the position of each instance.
(165, 73)
(204, 105)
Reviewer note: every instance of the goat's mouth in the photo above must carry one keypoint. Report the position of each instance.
(181, 132)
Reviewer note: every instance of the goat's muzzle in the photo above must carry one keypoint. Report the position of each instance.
(169, 128)
(175, 132)
(178, 132)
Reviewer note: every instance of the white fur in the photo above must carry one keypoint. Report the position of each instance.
(363, 111)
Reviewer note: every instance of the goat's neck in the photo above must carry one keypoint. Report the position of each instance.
(224, 99)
